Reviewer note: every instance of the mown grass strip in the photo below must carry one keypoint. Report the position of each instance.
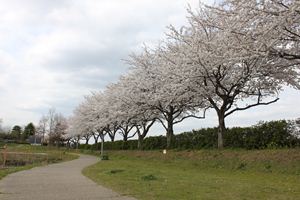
(230, 174)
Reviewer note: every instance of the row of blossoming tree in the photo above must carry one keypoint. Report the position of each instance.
(230, 57)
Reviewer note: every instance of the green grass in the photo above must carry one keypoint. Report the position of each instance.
(207, 174)
(29, 156)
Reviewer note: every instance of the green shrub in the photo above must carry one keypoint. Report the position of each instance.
(273, 134)
(149, 177)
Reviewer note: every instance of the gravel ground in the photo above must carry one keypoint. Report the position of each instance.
(62, 181)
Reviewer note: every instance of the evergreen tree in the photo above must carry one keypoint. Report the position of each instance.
(16, 131)
(29, 130)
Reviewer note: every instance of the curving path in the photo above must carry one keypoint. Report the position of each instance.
(62, 181)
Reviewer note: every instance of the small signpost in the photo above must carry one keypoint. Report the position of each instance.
(165, 151)
(4, 155)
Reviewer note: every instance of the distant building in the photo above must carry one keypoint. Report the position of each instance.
(35, 140)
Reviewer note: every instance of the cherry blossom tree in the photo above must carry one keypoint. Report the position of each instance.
(264, 27)
(95, 117)
(120, 115)
(217, 64)
(230, 57)
(134, 114)
(42, 127)
(162, 91)
(86, 120)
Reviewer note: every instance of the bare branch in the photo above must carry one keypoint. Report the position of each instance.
(252, 105)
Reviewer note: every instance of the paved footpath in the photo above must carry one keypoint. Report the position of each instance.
(62, 181)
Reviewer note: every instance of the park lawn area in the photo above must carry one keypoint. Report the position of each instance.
(205, 174)
(23, 157)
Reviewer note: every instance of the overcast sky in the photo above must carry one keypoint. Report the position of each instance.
(52, 52)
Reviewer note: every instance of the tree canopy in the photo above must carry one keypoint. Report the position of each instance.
(230, 57)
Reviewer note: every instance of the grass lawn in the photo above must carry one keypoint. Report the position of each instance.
(22, 157)
(206, 174)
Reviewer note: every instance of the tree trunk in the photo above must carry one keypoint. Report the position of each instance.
(169, 127)
(68, 144)
(112, 137)
(170, 133)
(125, 137)
(221, 130)
(96, 139)
(77, 142)
(43, 140)
(141, 135)
(102, 146)
(140, 142)
(125, 133)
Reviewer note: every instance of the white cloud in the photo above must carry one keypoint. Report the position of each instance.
(53, 52)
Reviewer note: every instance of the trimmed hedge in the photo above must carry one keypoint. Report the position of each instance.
(274, 134)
